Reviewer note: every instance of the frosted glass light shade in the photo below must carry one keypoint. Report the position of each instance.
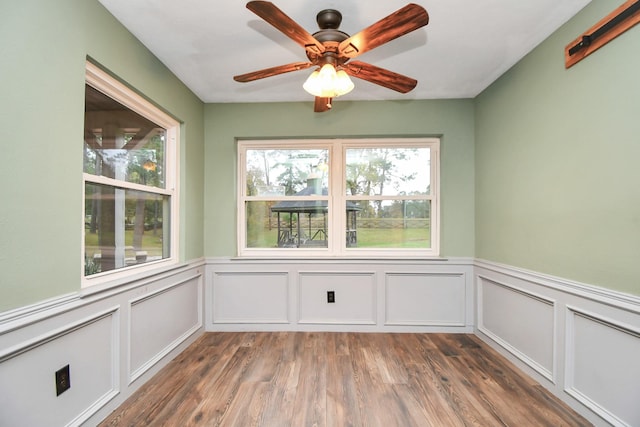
(327, 83)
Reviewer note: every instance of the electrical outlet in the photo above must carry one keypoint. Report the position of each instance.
(63, 380)
(331, 296)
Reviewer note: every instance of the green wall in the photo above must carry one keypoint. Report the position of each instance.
(43, 48)
(557, 161)
(453, 120)
(539, 171)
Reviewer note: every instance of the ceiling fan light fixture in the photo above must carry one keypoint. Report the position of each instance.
(327, 83)
(344, 84)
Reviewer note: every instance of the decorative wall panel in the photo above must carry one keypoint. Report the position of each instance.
(603, 366)
(521, 321)
(250, 297)
(161, 320)
(355, 301)
(28, 385)
(425, 299)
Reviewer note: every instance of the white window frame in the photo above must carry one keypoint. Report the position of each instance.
(105, 83)
(338, 197)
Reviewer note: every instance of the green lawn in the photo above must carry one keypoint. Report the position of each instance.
(367, 238)
(393, 238)
(150, 243)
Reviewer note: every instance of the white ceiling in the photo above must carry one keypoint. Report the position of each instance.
(467, 45)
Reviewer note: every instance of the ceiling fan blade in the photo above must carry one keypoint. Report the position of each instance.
(273, 71)
(321, 104)
(403, 21)
(276, 17)
(380, 76)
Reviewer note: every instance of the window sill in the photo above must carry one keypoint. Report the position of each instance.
(123, 278)
(345, 259)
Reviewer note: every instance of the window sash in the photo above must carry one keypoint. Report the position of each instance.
(96, 179)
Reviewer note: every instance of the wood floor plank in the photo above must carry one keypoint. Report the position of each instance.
(378, 401)
(458, 397)
(510, 384)
(247, 407)
(281, 396)
(180, 380)
(342, 394)
(388, 359)
(311, 394)
(366, 382)
(431, 397)
(291, 379)
(216, 397)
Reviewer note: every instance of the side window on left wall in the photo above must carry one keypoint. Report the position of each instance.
(129, 176)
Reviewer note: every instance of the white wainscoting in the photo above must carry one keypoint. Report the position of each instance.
(579, 341)
(370, 295)
(113, 341)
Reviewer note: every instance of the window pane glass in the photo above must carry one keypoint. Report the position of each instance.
(121, 144)
(286, 224)
(123, 228)
(387, 171)
(389, 224)
(280, 172)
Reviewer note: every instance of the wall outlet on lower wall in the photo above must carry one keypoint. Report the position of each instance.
(63, 380)
(331, 296)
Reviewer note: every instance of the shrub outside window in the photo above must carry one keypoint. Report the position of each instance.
(129, 175)
(360, 198)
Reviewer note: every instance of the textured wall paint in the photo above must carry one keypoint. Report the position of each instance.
(43, 48)
(557, 161)
(451, 119)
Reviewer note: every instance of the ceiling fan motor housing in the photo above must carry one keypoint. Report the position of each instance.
(329, 21)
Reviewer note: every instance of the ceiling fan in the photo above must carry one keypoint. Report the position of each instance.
(331, 50)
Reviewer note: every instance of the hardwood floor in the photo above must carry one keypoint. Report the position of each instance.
(341, 379)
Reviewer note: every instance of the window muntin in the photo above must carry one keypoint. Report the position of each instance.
(375, 197)
(129, 175)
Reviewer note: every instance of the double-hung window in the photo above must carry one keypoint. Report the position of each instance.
(339, 197)
(129, 176)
